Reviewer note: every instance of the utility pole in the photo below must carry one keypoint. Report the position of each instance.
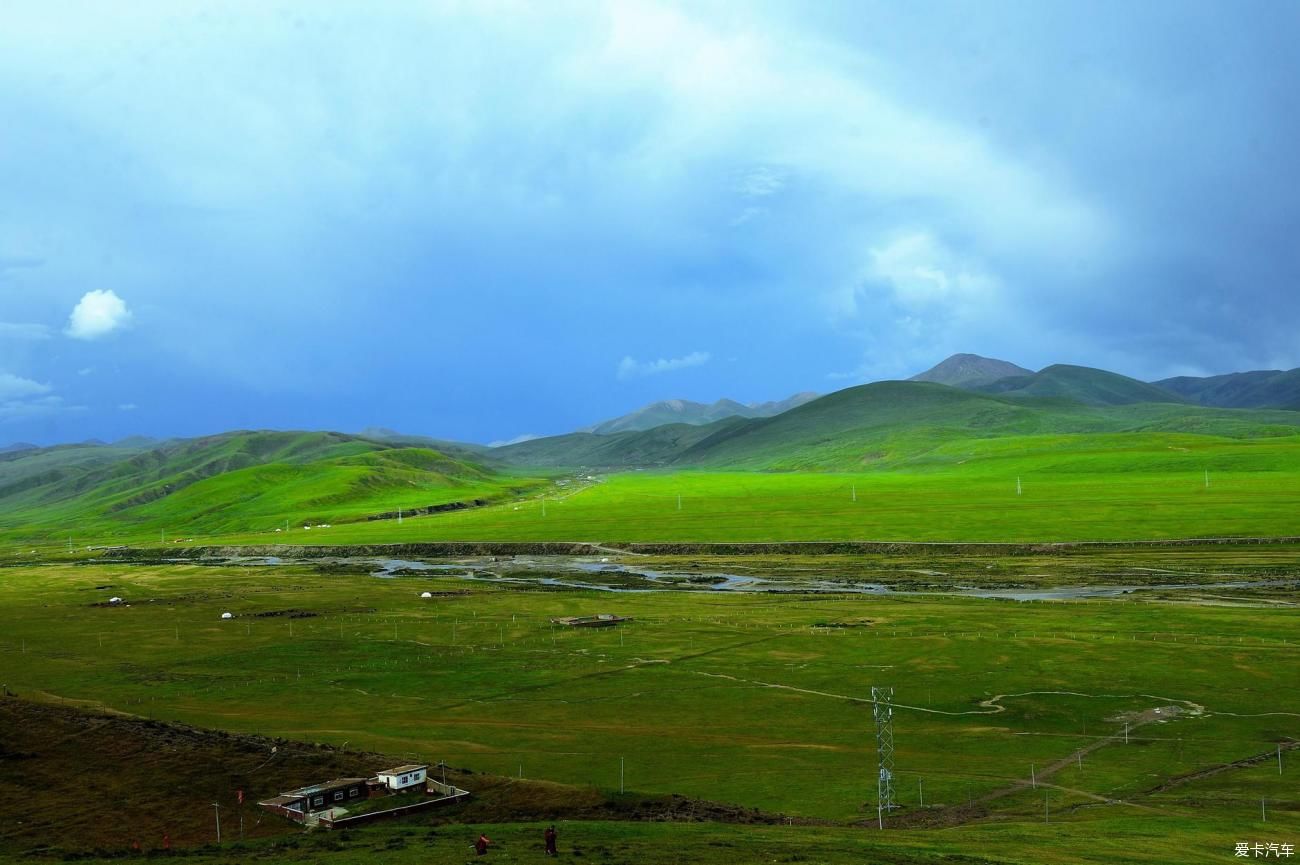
(399, 516)
(920, 790)
(217, 810)
(620, 774)
(1033, 778)
(855, 492)
(1018, 488)
(679, 501)
(1207, 479)
(883, 712)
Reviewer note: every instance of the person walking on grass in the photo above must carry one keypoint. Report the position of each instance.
(549, 836)
(482, 844)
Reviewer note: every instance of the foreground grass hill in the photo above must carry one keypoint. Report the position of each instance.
(232, 482)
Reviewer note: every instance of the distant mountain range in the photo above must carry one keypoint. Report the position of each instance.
(972, 372)
(897, 423)
(266, 479)
(1259, 389)
(694, 413)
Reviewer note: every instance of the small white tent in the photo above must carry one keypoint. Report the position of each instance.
(227, 615)
(426, 594)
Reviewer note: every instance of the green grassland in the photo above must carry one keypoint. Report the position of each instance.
(232, 482)
(886, 461)
(754, 699)
(1073, 487)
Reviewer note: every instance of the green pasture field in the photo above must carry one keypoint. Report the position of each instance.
(1072, 488)
(1131, 486)
(760, 700)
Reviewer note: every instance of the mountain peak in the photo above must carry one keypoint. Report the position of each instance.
(970, 370)
(694, 413)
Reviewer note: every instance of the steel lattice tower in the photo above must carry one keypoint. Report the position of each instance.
(882, 708)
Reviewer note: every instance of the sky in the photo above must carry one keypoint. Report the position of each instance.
(482, 220)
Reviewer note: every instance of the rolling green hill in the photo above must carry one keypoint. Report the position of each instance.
(255, 483)
(1269, 388)
(237, 481)
(891, 424)
(1081, 384)
(660, 446)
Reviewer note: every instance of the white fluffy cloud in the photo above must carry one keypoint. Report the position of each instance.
(630, 367)
(97, 314)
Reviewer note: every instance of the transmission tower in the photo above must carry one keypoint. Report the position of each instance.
(882, 708)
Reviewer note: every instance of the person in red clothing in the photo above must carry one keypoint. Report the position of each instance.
(549, 835)
(482, 844)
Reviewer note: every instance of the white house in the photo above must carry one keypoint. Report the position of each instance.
(403, 778)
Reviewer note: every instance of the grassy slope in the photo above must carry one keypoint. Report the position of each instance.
(1084, 385)
(877, 424)
(685, 695)
(1075, 487)
(1240, 389)
(931, 463)
(655, 447)
(232, 482)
